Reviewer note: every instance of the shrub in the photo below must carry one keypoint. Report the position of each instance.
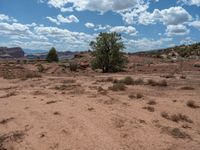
(151, 102)
(73, 66)
(157, 83)
(107, 50)
(131, 96)
(118, 87)
(176, 117)
(139, 95)
(197, 65)
(187, 88)
(139, 82)
(40, 68)
(192, 104)
(128, 80)
(52, 55)
(150, 109)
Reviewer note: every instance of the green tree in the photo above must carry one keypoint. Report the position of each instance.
(52, 55)
(108, 52)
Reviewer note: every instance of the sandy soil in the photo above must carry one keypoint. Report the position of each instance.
(72, 112)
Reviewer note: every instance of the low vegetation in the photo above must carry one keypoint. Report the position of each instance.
(162, 83)
(52, 55)
(176, 117)
(107, 50)
(73, 66)
(129, 81)
(192, 104)
(176, 133)
(118, 87)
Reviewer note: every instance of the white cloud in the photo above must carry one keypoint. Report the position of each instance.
(187, 41)
(68, 19)
(170, 16)
(195, 24)
(89, 25)
(53, 20)
(122, 29)
(60, 19)
(190, 2)
(95, 5)
(145, 44)
(13, 27)
(102, 27)
(6, 18)
(69, 9)
(176, 30)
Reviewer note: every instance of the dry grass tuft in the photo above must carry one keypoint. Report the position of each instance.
(192, 104)
(152, 102)
(149, 108)
(5, 121)
(162, 83)
(187, 88)
(118, 87)
(176, 117)
(9, 94)
(176, 133)
(129, 81)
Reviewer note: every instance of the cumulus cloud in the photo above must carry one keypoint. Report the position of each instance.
(176, 30)
(145, 44)
(122, 29)
(190, 2)
(95, 5)
(170, 16)
(53, 20)
(60, 19)
(195, 24)
(6, 18)
(89, 25)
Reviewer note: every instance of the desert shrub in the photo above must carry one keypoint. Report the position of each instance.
(176, 117)
(109, 79)
(197, 65)
(192, 104)
(127, 80)
(176, 133)
(73, 66)
(131, 96)
(150, 109)
(152, 102)
(165, 115)
(24, 61)
(18, 61)
(52, 55)
(157, 83)
(139, 81)
(101, 90)
(162, 83)
(107, 50)
(31, 75)
(139, 95)
(151, 82)
(187, 88)
(118, 87)
(40, 68)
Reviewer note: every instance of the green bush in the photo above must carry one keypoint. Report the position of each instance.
(52, 55)
(107, 50)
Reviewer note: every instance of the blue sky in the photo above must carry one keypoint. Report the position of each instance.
(72, 24)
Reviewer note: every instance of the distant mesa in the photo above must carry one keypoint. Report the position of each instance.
(14, 52)
(19, 53)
